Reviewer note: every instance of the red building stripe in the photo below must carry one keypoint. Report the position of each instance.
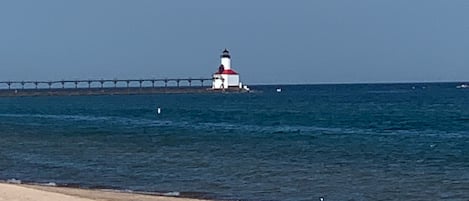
(227, 72)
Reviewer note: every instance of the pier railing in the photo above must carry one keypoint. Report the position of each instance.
(105, 83)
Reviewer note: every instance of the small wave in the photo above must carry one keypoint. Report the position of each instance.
(389, 91)
(95, 119)
(198, 126)
(181, 124)
(246, 128)
(14, 181)
(275, 129)
(172, 194)
(50, 184)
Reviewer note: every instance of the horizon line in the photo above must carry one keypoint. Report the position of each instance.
(363, 83)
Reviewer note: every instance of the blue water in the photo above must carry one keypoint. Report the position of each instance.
(339, 142)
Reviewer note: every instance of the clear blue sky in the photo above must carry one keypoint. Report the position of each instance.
(298, 41)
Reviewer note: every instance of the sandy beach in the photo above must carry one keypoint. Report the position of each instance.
(23, 192)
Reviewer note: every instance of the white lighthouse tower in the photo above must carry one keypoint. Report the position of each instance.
(226, 77)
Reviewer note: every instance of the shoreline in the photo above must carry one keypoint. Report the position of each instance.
(24, 192)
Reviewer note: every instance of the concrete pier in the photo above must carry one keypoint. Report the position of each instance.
(107, 87)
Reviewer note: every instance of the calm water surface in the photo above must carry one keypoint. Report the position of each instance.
(340, 142)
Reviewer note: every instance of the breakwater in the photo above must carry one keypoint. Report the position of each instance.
(107, 87)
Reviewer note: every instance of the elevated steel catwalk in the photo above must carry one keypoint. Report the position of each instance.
(15, 85)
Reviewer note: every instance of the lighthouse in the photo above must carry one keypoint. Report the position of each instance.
(226, 77)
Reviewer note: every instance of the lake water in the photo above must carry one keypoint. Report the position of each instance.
(338, 142)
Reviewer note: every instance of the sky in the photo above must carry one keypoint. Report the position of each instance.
(271, 41)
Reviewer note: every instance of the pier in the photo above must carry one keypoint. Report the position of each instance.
(224, 80)
(104, 87)
(15, 85)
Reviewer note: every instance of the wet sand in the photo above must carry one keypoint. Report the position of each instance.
(23, 192)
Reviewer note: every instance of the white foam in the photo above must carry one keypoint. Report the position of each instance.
(172, 194)
(50, 184)
(14, 181)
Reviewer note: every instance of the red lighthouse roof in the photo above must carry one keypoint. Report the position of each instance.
(229, 72)
(222, 70)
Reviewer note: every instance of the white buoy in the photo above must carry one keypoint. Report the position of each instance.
(158, 111)
(279, 90)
